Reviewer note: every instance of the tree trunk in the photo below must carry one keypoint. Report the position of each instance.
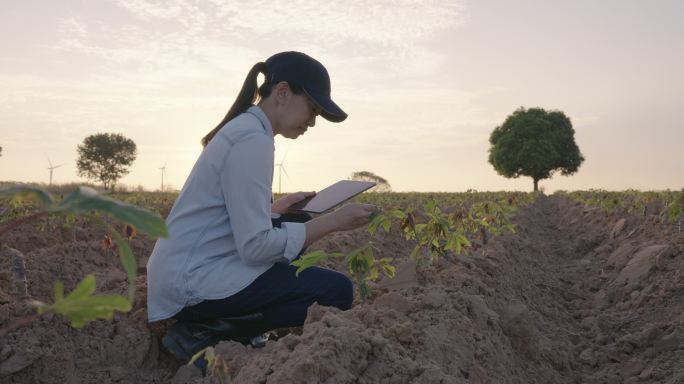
(536, 182)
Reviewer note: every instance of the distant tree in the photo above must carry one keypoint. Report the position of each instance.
(382, 185)
(535, 143)
(105, 157)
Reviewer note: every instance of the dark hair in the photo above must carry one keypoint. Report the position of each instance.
(247, 96)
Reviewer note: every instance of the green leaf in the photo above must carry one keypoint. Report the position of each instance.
(128, 261)
(360, 260)
(387, 268)
(380, 220)
(386, 225)
(59, 291)
(415, 253)
(29, 193)
(312, 259)
(84, 289)
(85, 199)
(373, 275)
(208, 354)
(81, 307)
(398, 214)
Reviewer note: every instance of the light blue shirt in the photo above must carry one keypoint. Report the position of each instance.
(220, 233)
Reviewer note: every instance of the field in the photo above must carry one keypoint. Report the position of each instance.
(578, 287)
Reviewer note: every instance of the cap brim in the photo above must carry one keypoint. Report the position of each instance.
(329, 110)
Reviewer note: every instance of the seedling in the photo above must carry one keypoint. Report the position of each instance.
(81, 306)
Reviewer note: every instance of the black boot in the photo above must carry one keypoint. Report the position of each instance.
(185, 339)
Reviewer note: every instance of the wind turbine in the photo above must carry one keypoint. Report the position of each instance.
(281, 170)
(163, 173)
(51, 168)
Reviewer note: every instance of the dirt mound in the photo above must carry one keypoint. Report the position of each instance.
(576, 295)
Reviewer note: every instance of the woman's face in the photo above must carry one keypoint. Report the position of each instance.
(298, 114)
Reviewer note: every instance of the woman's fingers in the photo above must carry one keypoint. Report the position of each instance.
(299, 196)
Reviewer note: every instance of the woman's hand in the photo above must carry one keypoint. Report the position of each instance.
(352, 216)
(345, 218)
(283, 204)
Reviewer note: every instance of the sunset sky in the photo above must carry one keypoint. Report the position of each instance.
(424, 84)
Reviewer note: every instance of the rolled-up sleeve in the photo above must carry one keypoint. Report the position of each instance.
(246, 184)
(296, 236)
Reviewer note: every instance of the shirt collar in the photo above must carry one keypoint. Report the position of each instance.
(263, 119)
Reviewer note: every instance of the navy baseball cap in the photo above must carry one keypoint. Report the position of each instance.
(300, 69)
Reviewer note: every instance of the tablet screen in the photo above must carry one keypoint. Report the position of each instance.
(332, 196)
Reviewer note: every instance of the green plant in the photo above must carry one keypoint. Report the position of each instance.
(437, 234)
(81, 305)
(216, 367)
(361, 263)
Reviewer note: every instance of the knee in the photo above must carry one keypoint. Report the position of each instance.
(346, 293)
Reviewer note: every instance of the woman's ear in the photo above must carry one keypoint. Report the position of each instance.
(283, 92)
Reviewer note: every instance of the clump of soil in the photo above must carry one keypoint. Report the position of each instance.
(576, 295)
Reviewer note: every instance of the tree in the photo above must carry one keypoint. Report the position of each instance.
(382, 185)
(105, 157)
(534, 143)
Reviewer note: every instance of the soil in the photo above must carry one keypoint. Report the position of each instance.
(575, 296)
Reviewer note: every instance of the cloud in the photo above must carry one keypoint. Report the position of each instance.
(159, 35)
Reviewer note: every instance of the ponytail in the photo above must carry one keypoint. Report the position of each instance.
(245, 99)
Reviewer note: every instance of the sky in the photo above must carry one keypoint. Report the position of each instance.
(424, 84)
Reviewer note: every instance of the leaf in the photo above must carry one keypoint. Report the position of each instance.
(414, 254)
(85, 199)
(386, 225)
(81, 307)
(387, 268)
(380, 220)
(360, 260)
(312, 259)
(373, 275)
(208, 354)
(59, 291)
(399, 214)
(128, 261)
(29, 193)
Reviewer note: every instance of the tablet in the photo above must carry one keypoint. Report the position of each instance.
(332, 196)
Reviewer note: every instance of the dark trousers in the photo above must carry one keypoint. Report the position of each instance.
(278, 294)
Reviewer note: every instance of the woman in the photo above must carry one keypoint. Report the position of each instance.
(224, 271)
